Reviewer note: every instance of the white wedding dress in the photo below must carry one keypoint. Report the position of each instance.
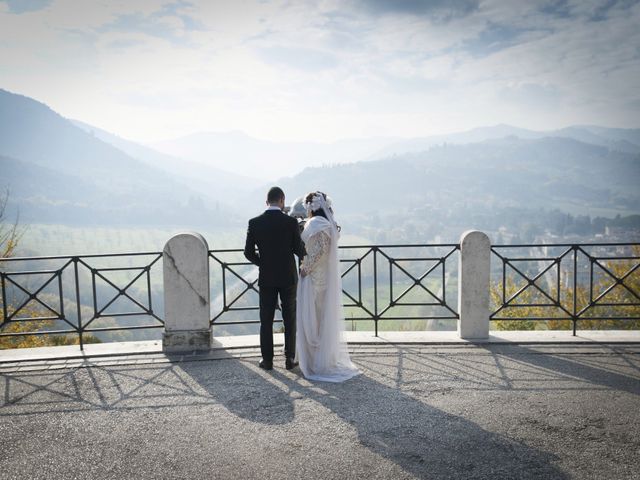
(320, 348)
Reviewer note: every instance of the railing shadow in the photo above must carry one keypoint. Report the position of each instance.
(392, 408)
(244, 391)
(565, 367)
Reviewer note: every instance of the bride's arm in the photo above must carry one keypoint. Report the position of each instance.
(317, 246)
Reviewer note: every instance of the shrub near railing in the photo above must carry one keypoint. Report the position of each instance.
(566, 286)
(61, 300)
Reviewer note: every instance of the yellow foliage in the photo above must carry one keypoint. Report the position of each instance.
(31, 326)
(609, 300)
(10, 235)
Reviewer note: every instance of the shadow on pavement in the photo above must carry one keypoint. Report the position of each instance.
(246, 392)
(564, 366)
(399, 410)
(423, 440)
(243, 391)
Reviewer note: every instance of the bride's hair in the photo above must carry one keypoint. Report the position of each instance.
(308, 202)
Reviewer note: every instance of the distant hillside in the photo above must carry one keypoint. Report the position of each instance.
(207, 180)
(56, 170)
(464, 180)
(244, 155)
(618, 139)
(61, 172)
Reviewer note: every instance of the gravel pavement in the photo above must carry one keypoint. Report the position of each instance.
(432, 412)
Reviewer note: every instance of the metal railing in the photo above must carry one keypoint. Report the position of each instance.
(94, 295)
(594, 282)
(78, 295)
(380, 283)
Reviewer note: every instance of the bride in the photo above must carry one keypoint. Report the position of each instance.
(321, 351)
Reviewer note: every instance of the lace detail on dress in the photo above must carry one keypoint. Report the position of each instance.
(317, 247)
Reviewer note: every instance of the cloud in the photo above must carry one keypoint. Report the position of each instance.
(556, 8)
(435, 10)
(170, 22)
(414, 84)
(601, 12)
(123, 44)
(493, 38)
(26, 6)
(158, 101)
(306, 59)
(307, 69)
(533, 95)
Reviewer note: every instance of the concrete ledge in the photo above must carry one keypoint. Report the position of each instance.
(515, 337)
(73, 351)
(353, 338)
(565, 336)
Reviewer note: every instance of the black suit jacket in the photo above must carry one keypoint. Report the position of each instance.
(277, 237)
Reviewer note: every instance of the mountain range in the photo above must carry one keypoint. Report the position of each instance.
(618, 139)
(206, 179)
(57, 172)
(549, 172)
(66, 171)
(241, 154)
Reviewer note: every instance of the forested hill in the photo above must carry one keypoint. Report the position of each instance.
(58, 172)
(537, 173)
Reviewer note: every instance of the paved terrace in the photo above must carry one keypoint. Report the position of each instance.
(427, 406)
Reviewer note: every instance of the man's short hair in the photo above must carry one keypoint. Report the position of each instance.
(275, 195)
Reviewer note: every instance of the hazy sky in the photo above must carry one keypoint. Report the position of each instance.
(295, 70)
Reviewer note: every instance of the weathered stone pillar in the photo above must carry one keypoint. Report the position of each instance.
(473, 285)
(186, 294)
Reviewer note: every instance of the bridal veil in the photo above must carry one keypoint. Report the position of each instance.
(320, 346)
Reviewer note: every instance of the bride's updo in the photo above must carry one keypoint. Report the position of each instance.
(312, 203)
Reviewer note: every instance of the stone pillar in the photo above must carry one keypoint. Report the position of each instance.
(473, 285)
(186, 294)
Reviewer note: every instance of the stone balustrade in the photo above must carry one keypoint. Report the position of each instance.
(187, 302)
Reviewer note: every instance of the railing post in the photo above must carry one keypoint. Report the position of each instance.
(473, 285)
(186, 294)
(375, 288)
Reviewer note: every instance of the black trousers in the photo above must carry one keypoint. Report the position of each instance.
(268, 301)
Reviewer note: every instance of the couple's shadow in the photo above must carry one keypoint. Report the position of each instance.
(423, 440)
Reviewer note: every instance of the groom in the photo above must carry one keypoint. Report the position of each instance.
(278, 238)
